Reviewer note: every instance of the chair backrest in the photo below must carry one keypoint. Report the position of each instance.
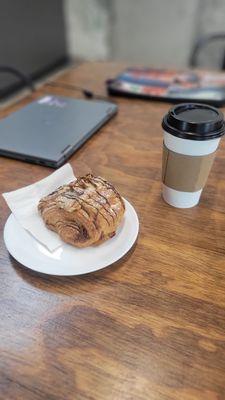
(201, 43)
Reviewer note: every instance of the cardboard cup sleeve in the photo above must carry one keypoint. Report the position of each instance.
(184, 172)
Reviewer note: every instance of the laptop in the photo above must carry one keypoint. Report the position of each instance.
(49, 130)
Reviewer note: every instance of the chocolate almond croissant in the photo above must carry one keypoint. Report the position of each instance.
(84, 212)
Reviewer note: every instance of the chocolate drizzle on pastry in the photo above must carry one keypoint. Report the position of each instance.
(84, 212)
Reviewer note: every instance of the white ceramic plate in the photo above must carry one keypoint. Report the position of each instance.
(69, 260)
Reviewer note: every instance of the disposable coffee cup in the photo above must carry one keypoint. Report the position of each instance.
(192, 133)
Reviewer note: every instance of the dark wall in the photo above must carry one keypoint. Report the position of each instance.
(32, 36)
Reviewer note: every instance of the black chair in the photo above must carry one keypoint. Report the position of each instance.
(203, 42)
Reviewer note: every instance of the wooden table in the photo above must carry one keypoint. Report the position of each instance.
(151, 327)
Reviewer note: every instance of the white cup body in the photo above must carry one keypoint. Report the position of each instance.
(192, 148)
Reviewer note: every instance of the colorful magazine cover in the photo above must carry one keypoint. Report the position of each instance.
(163, 83)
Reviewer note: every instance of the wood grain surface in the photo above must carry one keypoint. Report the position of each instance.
(152, 326)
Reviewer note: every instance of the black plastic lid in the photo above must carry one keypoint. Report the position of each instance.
(194, 121)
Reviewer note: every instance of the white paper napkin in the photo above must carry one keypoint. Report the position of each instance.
(23, 204)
